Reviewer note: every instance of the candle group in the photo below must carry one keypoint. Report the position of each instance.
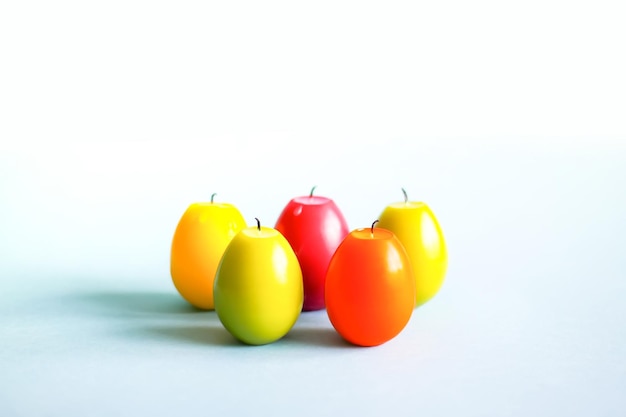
(259, 279)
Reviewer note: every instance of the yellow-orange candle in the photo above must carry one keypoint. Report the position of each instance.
(200, 239)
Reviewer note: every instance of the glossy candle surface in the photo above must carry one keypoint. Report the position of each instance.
(417, 228)
(314, 227)
(370, 289)
(258, 286)
(201, 236)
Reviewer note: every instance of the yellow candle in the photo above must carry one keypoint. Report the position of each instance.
(418, 230)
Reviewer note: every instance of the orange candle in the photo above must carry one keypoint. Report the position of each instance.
(370, 289)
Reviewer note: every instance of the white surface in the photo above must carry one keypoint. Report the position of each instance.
(507, 121)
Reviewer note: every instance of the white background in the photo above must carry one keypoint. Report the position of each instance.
(508, 119)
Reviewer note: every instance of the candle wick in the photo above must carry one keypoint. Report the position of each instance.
(372, 230)
(311, 193)
(258, 224)
(406, 197)
(212, 197)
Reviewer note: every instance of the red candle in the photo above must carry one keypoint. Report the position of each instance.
(314, 226)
